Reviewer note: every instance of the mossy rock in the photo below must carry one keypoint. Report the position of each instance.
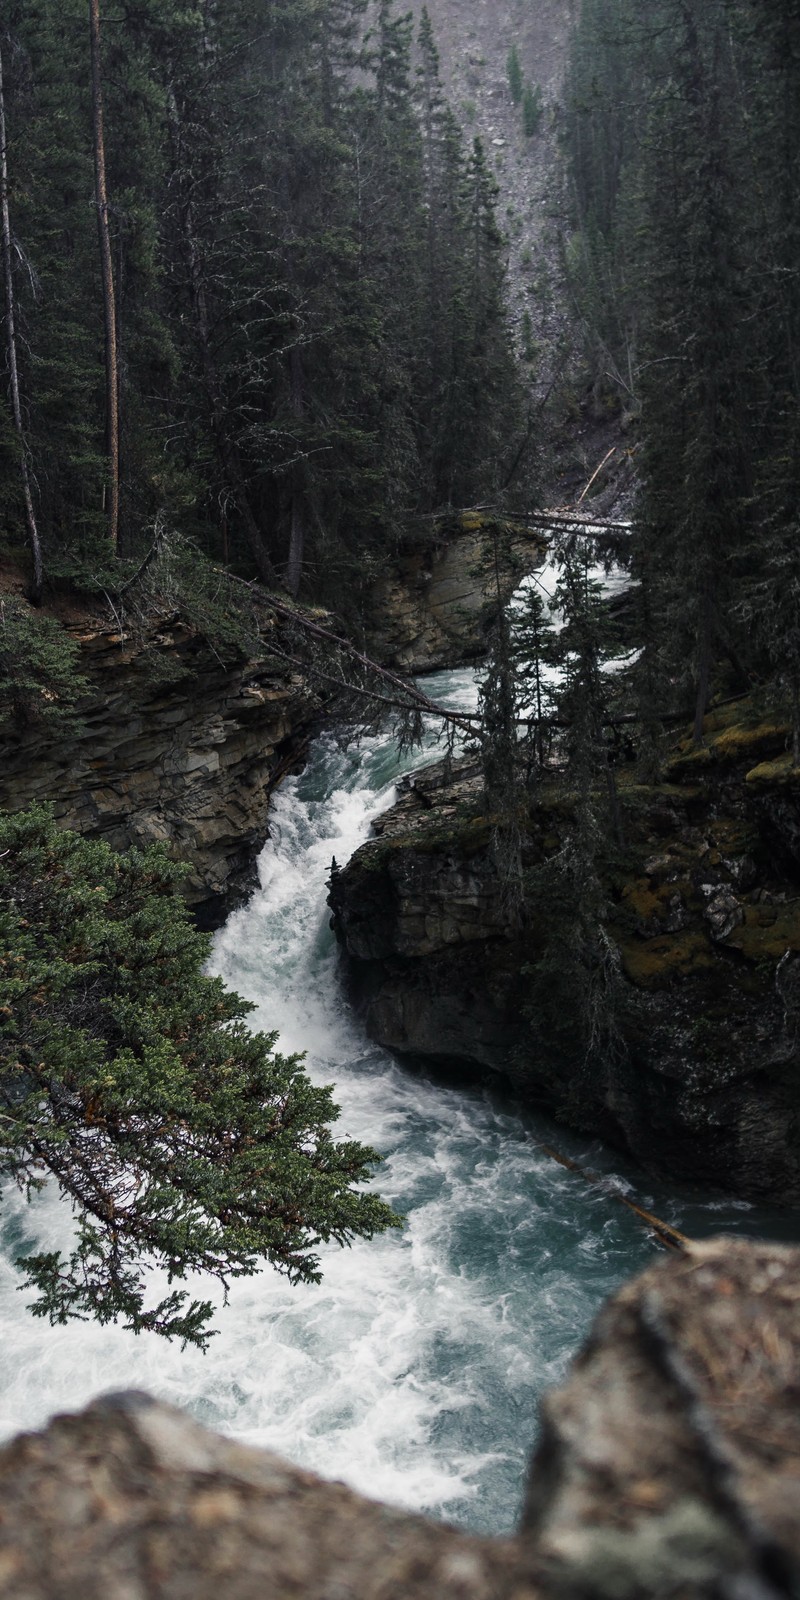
(767, 932)
(731, 737)
(778, 774)
(648, 900)
(655, 963)
(734, 836)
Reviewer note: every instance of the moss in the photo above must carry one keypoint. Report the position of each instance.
(647, 900)
(733, 743)
(733, 836)
(735, 736)
(642, 899)
(654, 963)
(768, 932)
(774, 774)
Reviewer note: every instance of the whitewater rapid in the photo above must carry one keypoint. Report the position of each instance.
(413, 1371)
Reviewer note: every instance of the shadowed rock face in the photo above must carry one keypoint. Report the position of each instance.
(703, 911)
(669, 1466)
(191, 762)
(433, 604)
(182, 748)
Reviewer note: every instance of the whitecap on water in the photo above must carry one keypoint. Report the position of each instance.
(413, 1370)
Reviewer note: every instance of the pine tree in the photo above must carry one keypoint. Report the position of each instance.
(11, 348)
(515, 77)
(532, 109)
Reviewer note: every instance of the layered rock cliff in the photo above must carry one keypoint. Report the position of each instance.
(175, 746)
(668, 1466)
(435, 601)
(182, 745)
(703, 918)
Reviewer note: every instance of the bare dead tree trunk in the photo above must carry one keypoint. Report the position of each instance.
(297, 537)
(11, 353)
(107, 269)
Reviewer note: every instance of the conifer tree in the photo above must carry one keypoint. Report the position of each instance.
(183, 1140)
(107, 273)
(516, 80)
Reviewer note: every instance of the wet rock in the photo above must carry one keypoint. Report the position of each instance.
(723, 912)
(703, 1083)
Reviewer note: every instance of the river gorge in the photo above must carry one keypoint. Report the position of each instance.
(414, 1370)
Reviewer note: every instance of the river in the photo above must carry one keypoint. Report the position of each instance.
(414, 1370)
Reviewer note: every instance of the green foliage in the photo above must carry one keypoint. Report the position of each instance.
(529, 347)
(515, 77)
(312, 339)
(39, 681)
(545, 703)
(183, 1140)
(682, 126)
(532, 109)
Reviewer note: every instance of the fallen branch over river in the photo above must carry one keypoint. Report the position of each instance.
(670, 1237)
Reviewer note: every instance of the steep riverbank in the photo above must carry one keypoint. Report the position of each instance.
(174, 745)
(181, 742)
(704, 922)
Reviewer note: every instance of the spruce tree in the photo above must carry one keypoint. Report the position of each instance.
(516, 80)
(183, 1140)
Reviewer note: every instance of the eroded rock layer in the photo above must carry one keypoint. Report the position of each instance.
(435, 600)
(176, 746)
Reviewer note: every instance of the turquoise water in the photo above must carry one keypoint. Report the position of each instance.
(414, 1370)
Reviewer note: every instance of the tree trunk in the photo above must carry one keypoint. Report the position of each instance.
(705, 640)
(294, 569)
(11, 353)
(107, 270)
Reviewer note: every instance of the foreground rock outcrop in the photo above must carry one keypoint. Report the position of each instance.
(703, 909)
(668, 1466)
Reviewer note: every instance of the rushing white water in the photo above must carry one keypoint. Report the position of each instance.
(414, 1369)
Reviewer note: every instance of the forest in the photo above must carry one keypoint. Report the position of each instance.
(255, 325)
(682, 126)
(253, 288)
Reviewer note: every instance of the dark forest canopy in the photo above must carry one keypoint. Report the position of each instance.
(683, 143)
(255, 282)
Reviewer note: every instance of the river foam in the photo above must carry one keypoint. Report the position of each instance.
(413, 1371)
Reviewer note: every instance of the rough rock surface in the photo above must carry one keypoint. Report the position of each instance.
(705, 915)
(669, 1465)
(182, 747)
(191, 762)
(433, 603)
